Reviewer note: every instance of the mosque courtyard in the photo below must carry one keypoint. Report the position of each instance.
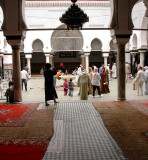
(36, 93)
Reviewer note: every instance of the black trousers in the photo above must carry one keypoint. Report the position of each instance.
(94, 89)
(24, 81)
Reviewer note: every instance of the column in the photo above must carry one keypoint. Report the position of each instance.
(28, 57)
(115, 58)
(47, 58)
(110, 60)
(121, 71)
(87, 61)
(1, 66)
(133, 62)
(83, 61)
(16, 73)
(51, 60)
(105, 55)
(142, 57)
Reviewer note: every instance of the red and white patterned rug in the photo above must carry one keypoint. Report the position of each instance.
(15, 115)
(141, 106)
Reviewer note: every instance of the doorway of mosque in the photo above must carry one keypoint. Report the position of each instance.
(70, 59)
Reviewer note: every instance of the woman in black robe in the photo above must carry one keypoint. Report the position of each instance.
(50, 92)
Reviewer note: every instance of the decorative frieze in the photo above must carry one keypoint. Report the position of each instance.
(66, 4)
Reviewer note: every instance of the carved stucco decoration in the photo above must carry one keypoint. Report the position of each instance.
(63, 40)
(37, 46)
(66, 4)
(96, 45)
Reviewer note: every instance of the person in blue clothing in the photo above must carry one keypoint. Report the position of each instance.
(27, 68)
(100, 69)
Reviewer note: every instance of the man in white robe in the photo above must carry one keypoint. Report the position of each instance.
(78, 73)
(140, 80)
(114, 71)
(146, 80)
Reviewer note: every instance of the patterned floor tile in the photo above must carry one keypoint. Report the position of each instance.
(85, 136)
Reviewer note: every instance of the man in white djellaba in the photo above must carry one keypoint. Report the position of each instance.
(146, 80)
(114, 71)
(140, 80)
(79, 71)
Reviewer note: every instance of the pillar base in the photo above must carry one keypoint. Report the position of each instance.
(121, 99)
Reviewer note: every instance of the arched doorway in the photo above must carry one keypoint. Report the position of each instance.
(38, 58)
(66, 46)
(134, 48)
(95, 57)
(113, 53)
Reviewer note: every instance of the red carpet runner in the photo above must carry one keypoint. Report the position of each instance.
(21, 152)
(15, 115)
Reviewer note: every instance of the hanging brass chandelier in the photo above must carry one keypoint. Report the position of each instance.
(74, 17)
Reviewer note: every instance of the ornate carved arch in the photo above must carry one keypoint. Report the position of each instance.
(134, 42)
(96, 45)
(113, 46)
(64, 40)
(37, 45)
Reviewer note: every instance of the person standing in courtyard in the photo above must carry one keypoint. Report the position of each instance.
(65, 86)
(90, 89)
(56, 77)
(50, 92)
(96, 82)
(146, 80)
(79, 71)
(127, 71)
(84, 83)
(100, 69)
(114, 71)
(27, 68)
(108, 70)
(104, 82)
(134, 82)
(140, 80)
(71, 88)
(24, 78)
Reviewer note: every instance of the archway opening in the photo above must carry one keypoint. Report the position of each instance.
(138, 13)
(113, 53)
(95, 57)
(38, 58)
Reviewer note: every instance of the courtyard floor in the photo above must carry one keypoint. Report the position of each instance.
(36, 92)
